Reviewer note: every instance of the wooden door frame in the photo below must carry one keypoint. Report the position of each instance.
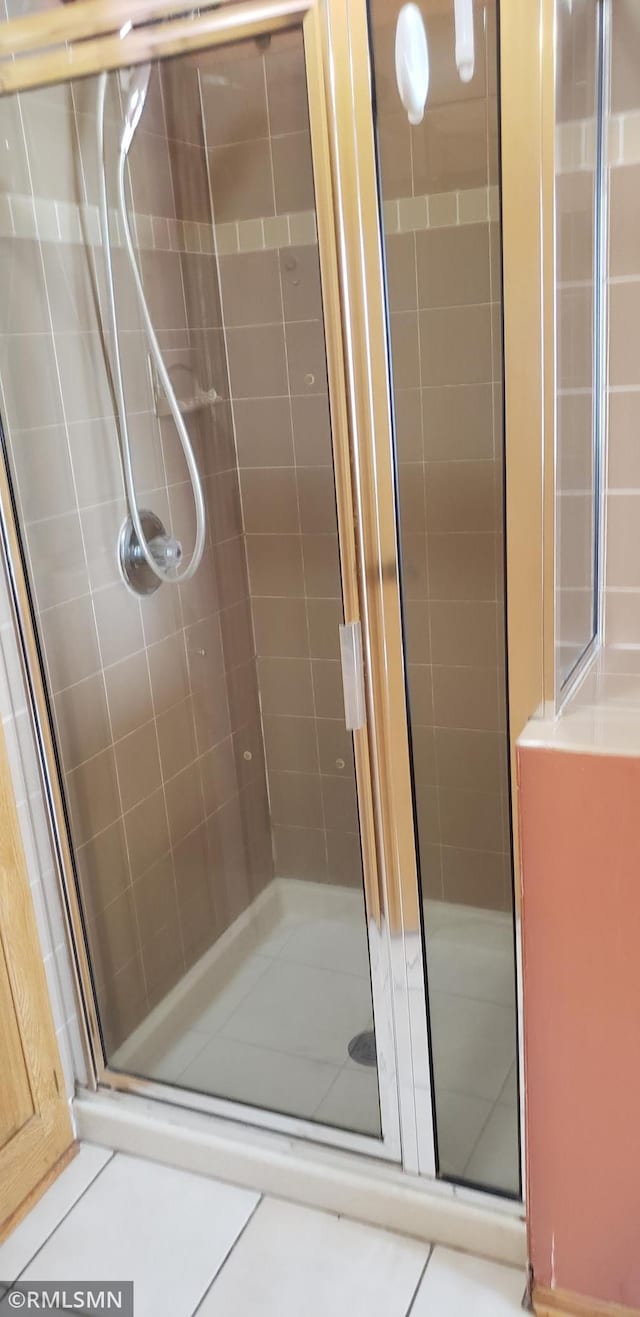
(46, 1136)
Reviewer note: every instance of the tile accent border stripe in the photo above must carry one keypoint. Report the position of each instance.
(68, 222)
(575, 142)
(64, 222)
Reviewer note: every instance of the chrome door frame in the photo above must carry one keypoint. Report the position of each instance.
(369, 394)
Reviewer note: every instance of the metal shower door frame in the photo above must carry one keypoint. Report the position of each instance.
(79, 41)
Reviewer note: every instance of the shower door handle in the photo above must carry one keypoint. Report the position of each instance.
(355, 712)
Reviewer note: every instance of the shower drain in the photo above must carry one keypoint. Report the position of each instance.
(362, 1048)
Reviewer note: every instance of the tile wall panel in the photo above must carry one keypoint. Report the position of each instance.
(576, 310)
(258, 136)
(444, 294)
(171, 685)
(622, 614)
(148, 695)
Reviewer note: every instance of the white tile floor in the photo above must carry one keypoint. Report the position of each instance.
(193, 1245)
(275, 1032)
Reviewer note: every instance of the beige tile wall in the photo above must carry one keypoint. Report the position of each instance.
(155, 701)
(622, 598)
(444, 298)
(157, 704)
(576, 107)
(575, 182)
(258, 140)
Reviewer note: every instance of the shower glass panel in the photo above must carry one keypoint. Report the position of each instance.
(580, 196)
(208, 776)
(439, 182)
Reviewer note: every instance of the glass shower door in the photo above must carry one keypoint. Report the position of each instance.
(214, 795)
(239, 854)
(439, 182)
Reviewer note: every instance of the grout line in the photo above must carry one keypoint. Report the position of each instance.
(246, 601)
(161, 439)
(338, 1071)
(281, 956)
(223, 1264)
(426, 560)
(65, 1214)
(95, 286)
(76, 222)
(496, 1103)
(283, 959)
(420, 1280)
(306, 597)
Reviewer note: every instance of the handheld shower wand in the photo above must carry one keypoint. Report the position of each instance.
(161, 554)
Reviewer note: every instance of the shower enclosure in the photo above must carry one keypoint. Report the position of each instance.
(250, 357)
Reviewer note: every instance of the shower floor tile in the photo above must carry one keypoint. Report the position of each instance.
(461, 1121)
(473, 1044)
(210, 1013)
(299, 1009)
(353, 1090)
(472, 1002)
(328, 945)
(291, 1084)
(271, 1028)
(496, 1151)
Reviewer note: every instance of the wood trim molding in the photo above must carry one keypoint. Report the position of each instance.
(79, 40)
(87, 18)
(560, 1303)
(38, 1191)
(44, 1132)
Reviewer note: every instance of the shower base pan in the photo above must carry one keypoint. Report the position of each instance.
(267, 1015)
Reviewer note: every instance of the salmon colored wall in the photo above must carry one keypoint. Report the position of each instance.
(580, 821)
